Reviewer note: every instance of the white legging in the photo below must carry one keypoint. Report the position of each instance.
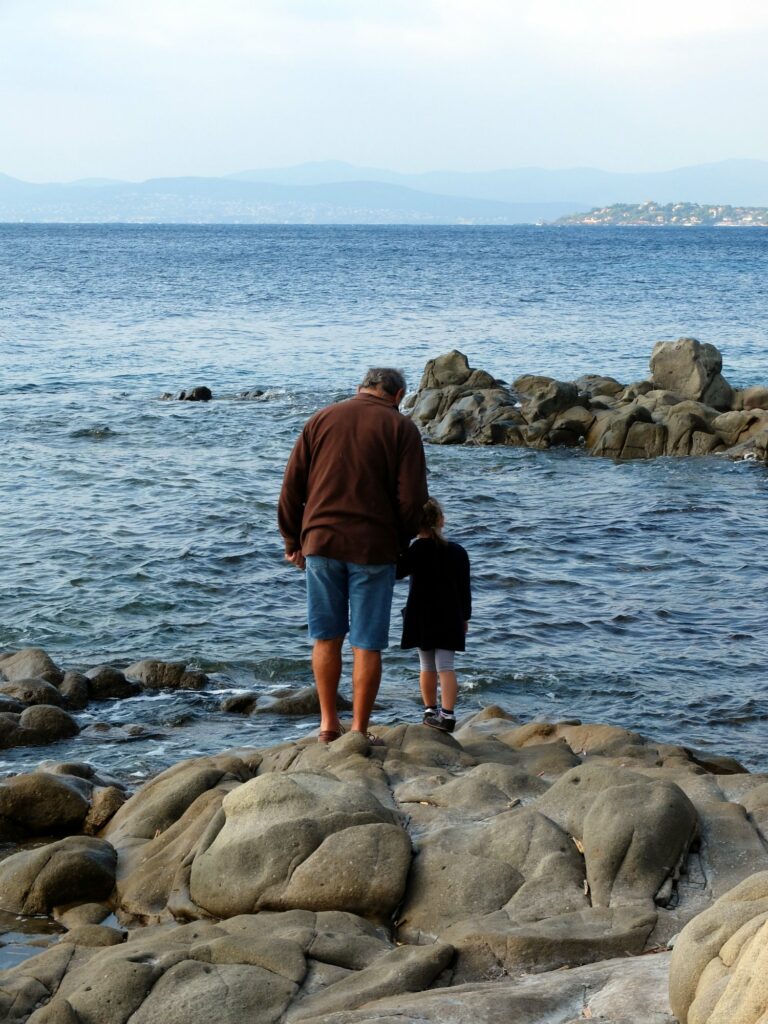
(437, 660)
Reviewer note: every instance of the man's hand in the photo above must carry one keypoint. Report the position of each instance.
(296, 558)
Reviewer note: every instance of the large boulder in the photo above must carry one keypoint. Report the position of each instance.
(347, 851)
(30, 663)
(692, 370)
(75, 869)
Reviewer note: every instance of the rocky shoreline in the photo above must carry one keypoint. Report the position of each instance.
(543, 872)
(685, 407)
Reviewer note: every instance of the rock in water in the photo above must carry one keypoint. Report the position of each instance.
(691, 370)
(687, 408)
(166, 675)
(32, 662)
(107, 683)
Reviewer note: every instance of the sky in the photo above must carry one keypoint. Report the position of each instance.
(144, 88)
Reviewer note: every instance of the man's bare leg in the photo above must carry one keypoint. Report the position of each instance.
(366, 677)
(326, 666)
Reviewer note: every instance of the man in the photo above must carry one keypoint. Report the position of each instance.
(352, 498)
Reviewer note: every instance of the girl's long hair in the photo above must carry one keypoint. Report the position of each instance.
(432, 520)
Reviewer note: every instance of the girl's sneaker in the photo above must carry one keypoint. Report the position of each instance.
(437, 720)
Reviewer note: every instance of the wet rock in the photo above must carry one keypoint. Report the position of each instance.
(300, 702)
(32, 662)
(246, 396)
(239, 703)
(77, 868)
(75, 691)
(82, 914)
(108, 683)
(31, 691)
(686, 409)
(200, 393)
(10, 706)
(166, 675)
(43, 804)
(43, 723)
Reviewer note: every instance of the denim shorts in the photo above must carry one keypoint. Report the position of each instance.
(345, 597)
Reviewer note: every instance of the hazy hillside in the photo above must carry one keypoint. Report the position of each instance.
(230, 200)
(738, 182)
(337, 193)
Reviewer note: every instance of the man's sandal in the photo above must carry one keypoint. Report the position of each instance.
(329, 735)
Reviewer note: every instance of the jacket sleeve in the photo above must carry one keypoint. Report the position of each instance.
(465, 589)
(411, 482)
(293, 495)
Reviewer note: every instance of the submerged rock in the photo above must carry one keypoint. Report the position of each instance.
(199, 393)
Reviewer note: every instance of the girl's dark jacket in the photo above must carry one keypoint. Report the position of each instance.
(439, 596)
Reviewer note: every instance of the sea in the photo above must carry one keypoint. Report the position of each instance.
(133, 527)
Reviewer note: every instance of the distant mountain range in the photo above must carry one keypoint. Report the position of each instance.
(331, 192)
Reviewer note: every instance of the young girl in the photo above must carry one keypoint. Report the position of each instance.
(437, 612)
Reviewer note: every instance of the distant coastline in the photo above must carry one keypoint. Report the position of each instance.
(652, 214)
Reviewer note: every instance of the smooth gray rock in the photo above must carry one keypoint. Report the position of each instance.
(635, 836)
(74, 869)
(242, 867)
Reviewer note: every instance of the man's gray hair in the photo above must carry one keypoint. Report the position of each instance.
(386, 378)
